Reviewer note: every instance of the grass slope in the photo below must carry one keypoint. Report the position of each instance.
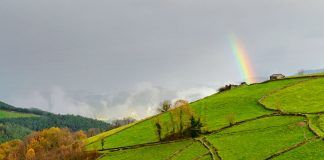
(193, 151)
(261, 138)
(205, 157)
(311, 150)
(12, 114)
(242, 102)
(254, 139)
(304, 97)
(316, 123)
(158, 152)
(94, 143)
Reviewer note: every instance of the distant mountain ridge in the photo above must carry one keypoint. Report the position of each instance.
(311, 71)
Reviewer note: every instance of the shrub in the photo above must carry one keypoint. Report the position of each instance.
(195, 127)
(227, 87)
(158, 129)
(230, 118)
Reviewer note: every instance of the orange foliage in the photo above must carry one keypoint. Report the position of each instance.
(30, 155)
(52, 144)
(7, 148)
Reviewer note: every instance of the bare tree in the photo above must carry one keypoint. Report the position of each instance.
(165, 106)
(180, 103)
(124, 121)
(92, 132)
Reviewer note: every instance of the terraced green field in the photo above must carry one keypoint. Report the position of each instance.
(242, 102)
(248, 141)
(302, 98)
(158, 152)
(311, 150)
(259, 130)
(9, 114)
(187, 149)
(193, 151)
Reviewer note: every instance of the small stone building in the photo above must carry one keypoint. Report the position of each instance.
(277, 76)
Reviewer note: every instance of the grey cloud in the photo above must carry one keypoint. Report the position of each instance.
(139, 102)
(110, 46)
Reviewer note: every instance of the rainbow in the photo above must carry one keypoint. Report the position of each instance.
(242, 59)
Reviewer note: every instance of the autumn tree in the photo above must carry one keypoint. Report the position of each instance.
(7, 148)
(52, 144)
(182, 123)
(30, 154)
(93, 131)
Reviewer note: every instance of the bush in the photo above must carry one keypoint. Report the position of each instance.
(227, 87)
(230, 118)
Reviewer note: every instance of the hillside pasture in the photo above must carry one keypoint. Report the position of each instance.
(142, 132)
(261, 138)
(156, 152)
(12, 114)
(94, 142)
(306, 97)
(311, 150)
(241, 103)
(194, 151)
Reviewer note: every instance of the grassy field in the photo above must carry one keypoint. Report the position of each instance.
(193, 151)
(158, 152)
(320, 122)
(305, 97)
(142, 132)
(255, 138)
(311, 150)
(316, 124)
(10, 114)
(94, 143)
(205, 157)
(261, 138)
(241, 102)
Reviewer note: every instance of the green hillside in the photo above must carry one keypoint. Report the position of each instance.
(300, 98)
(12, 114)
(16, 123)
(269, 120)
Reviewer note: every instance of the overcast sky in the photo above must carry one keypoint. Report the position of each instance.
(113, 58)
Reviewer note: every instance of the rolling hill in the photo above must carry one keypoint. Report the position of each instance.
(16, 123)
(281, 119)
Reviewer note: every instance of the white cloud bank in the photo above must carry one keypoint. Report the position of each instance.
(140, 102)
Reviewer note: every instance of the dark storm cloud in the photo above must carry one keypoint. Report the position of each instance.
(102, 46)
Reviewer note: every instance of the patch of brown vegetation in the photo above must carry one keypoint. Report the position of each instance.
(301, 124)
